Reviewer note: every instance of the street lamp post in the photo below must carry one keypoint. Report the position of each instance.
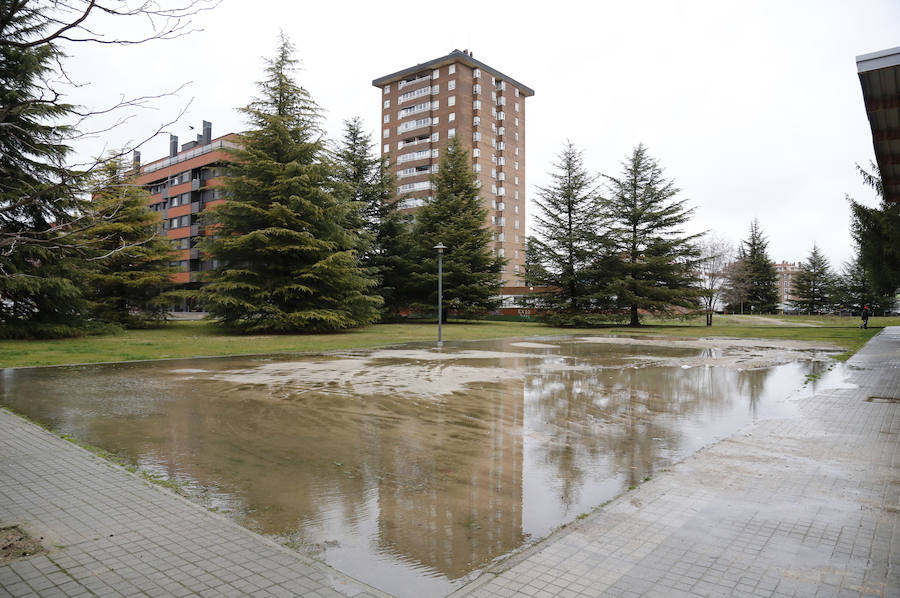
(440, 249)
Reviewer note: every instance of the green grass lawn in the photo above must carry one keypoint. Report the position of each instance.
(191, 339)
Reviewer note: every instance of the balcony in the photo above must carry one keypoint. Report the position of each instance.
(419, 155)
(404, 84)
(423, 107)
(411, 95)
(417, 141)
(413, 125)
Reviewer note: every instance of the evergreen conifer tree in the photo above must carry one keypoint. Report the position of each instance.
(656, 261)
(760, 275)
(854, 289)
(39, 195)
(131, 262)
(564, 252)
(386, 245)
(877, 235)
(287, 261)
(813, 284)
(456, 218)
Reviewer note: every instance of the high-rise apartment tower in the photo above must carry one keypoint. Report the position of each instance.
(426, 105)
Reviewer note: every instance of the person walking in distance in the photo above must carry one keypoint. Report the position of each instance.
(865, 316)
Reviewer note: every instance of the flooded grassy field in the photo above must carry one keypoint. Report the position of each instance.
(413, 468)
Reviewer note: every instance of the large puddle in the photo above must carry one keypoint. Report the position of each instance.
(412, 468)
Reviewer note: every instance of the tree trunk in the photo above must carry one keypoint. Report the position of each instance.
(634, 316)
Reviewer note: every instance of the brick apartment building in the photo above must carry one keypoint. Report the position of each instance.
(786, 272)
(426, 105)
(181, 185)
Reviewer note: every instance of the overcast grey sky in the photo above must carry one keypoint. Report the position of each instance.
(754, 108)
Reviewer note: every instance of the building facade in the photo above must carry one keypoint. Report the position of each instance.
(181, 186)
(427, 105)
(786, 272)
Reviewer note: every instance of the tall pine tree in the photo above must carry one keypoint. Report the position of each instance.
(854, 289)
(563, 253)
(657, 261)
(760, 276)
(456, 218)
(386, 244)
(287, 261)
(39, 195)
(813, 285)
(877, 235)
(131, 258)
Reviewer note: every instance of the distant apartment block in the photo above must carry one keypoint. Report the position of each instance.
(182, 185)
(426, 105)
(786, 272)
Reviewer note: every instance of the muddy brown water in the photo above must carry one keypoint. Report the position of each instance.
(411, 468)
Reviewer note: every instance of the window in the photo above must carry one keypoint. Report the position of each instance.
(435, 136)
(434, 153)
(517, 150)
(451, 101)
(435, 104)
(477, 73)
(387, 104)
(476, 105)
(517, 91)
(451, 69)
(386, 133)
(517, 108)
(516, 254)
(452, 117)
(501, 161)
(387, 118)
(451, 133)
(517, 165)
(476, 121)
(476, 136)
(436, 73)
(493, 188)
(494, 173)
(476, 153)
(386, 148)
(517, 197)
(516, 224)
(435, 120)
(517, 121)
(476, 89)
(517, 137)
(387, 89)
(435, 89)
(451, 85)
(517, 179)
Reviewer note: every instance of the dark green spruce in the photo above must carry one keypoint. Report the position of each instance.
(813, 285)
(655, 261)
(131, 258)
(564, 254)
(286, 252)
(877, 235)
(456, 217)
(758, 277)
(385, 235)
(40, 198)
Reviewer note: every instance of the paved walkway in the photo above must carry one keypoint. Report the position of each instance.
(808, 506)
(790, 507)
(110, 533)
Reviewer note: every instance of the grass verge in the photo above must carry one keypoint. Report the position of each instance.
(199, 338)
